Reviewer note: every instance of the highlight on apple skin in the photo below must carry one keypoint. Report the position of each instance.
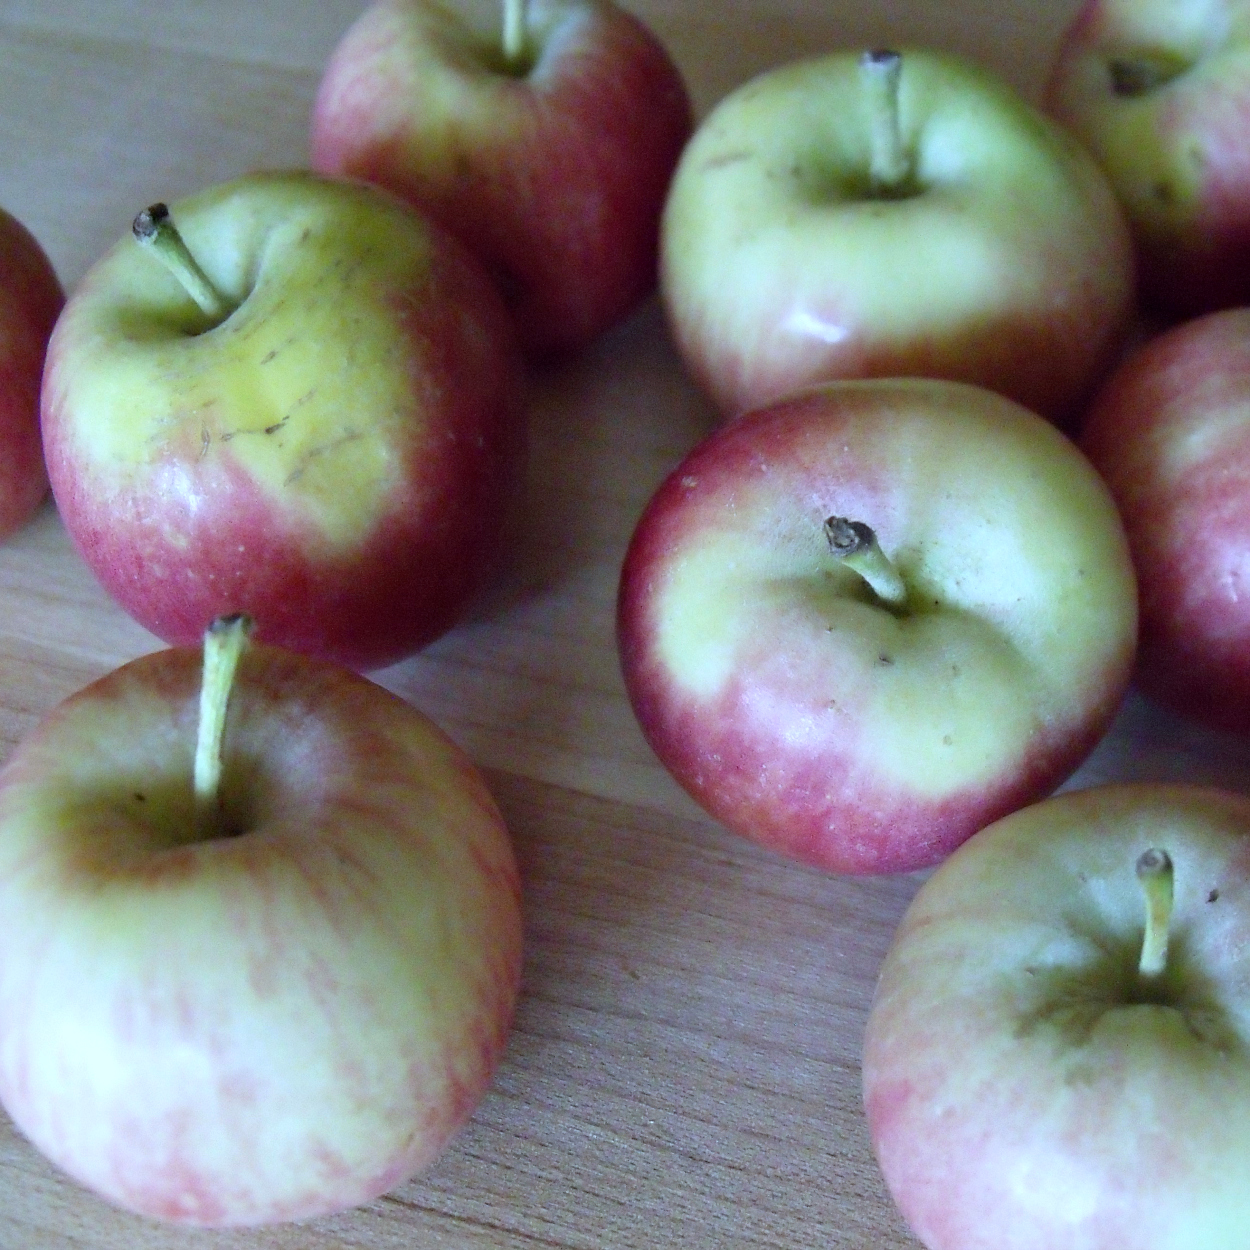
(268, 997)
(30, 300)
(1056, 1051)
(1159, 91)
(888, 214)
(862, 623)
(547, 145)
(314, 415)
(1170, 434)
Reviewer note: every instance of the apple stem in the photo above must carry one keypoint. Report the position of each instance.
(855, 544)
(888, 165)
(154, 228)
(515, 33)
(1154, 871)
(224, 643)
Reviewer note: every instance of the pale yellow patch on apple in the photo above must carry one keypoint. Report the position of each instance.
(306, 386)
(1185, 446)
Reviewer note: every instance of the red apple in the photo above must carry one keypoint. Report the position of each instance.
(329, 443)
(1043, 1068)
(1170, 433)
(255, 971)
(888, 215)
(30, 299)
(548, 151)
(859, 625)
(1160, 92)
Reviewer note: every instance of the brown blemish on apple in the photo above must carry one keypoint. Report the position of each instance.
(723, 159)
(315, 453)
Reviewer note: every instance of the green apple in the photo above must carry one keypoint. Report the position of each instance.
(316, 419)
(1057, 1053)
(1159, 90)
(892, 215)
(260, 936)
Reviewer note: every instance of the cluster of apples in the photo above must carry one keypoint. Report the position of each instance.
(887, 607)
(297, 400)
(869, 622)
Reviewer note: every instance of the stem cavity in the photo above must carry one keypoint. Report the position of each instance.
(154, 229)
(1138, 75)
(224, 643)
(1154, 871)
(515, 35)
(889, 165)
(855, 544)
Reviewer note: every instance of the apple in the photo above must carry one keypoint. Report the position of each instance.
(310, 413)
(860, 624)
(260, 937)
(1056, 1055)
(1170, 434)
(547, 148)
(892, 214)
(30, 299)
(1159, 90)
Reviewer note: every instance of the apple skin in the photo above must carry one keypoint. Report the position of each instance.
(1175, 152)
(30, 299)
(1024, 1089)
(556, 177)
(1010, 267)
(260, 1027)
(799, 711)
(1170, 434)
(336, 459)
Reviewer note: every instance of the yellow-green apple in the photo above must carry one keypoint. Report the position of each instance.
(548, 149)
(261, 936)
(30, 299)
(885, 215)
(864, 622)
(1055, 1056)
(318, 421)
(1170, 433)
(1159, 90)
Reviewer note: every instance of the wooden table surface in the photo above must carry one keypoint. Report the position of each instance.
(684, 1068)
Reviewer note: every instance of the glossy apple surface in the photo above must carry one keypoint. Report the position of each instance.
(1000, 258)
(335, 457)
(30, 299)
(1026, 1087)
(275, 1020)
(802, 711)
(1170, 433)
(1159, 90)
(553, 166)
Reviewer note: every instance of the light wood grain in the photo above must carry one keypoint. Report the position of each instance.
(684, 1066)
